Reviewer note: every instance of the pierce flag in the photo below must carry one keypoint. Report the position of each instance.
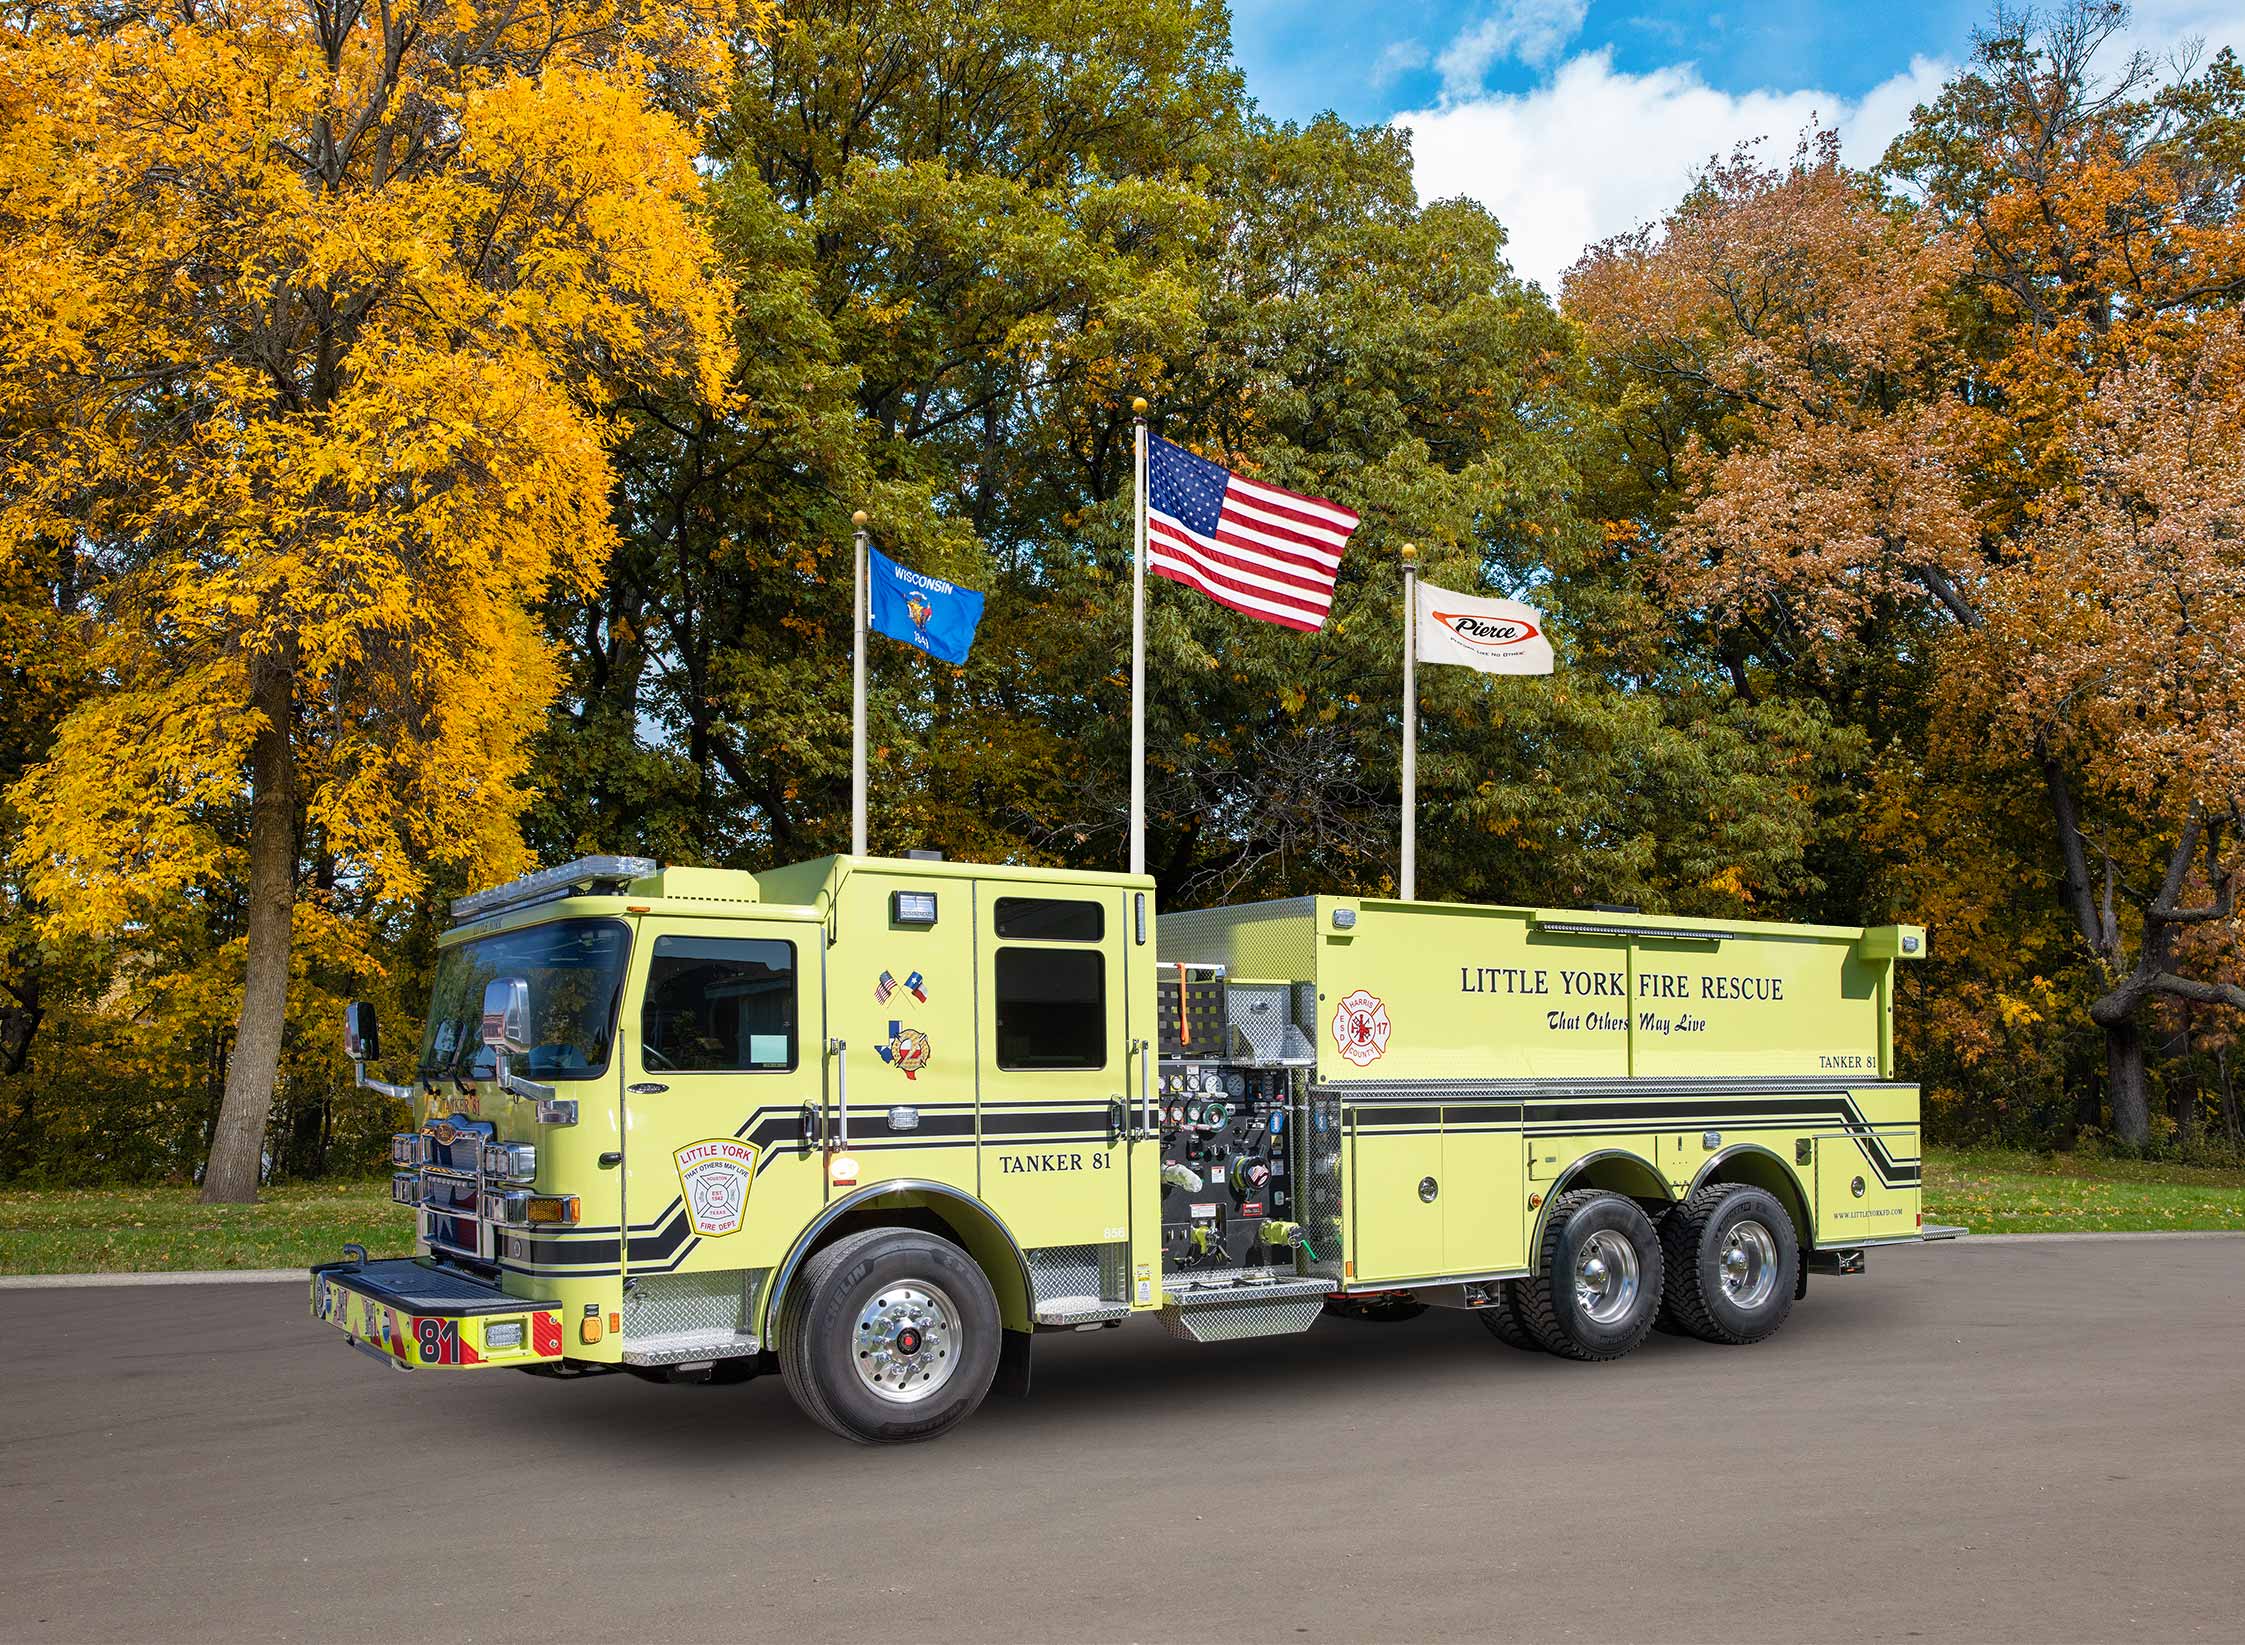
(1494, 636)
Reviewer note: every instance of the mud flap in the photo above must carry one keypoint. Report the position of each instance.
(1013, 1365)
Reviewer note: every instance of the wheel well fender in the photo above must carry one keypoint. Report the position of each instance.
(1759, 1167)
(935, 1208)
(1613, 1169)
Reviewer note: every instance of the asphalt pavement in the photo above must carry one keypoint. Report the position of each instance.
(2035, 1442)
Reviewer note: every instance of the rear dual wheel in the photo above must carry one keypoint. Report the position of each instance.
(1733, 1261)
(1599, 1277)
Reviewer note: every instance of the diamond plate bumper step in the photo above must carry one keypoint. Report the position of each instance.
(1226, 1305)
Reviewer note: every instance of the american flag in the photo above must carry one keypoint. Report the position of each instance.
(1272, 554)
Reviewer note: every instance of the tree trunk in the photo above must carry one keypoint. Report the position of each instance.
(238, 1145)
(2230, 1118)
(2124, 1080)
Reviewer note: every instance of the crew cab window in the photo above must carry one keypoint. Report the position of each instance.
(1049, 919)
(719, 1005)
(1051, 1008)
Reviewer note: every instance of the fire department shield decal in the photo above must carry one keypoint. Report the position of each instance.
(1361, 1027)
(715, 1177)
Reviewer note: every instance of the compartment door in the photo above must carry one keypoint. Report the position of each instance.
(1484, 1199)
(1397, 1196)
(1866, 1186)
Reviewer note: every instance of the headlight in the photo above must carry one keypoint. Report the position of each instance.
(405, 1148)
(405, 1188)
(510, 1161)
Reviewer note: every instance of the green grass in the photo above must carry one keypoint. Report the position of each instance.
(132, 1230)
(117, 1230)
(1993, 1191)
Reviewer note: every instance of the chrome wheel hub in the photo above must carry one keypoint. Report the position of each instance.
(906, 1343)
(1749, 1263)
(1606, 1277)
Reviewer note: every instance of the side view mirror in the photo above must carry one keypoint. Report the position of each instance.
(362, 1040)
(506, 1016)
(362, 1043)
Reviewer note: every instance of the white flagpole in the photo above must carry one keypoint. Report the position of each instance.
(859, 593)
(1138, 651)
(1410, 722)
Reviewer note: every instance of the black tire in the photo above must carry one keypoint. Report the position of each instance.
(1695, 1238)
(1377, 1310)
(819, 1325)
(1502, 1317)
(1546, 1301)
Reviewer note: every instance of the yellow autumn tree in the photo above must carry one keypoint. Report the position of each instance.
(312, 320)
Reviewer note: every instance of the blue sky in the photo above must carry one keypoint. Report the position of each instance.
(1576, 119)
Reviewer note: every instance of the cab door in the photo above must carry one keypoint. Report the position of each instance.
(1054, 980)
(725, 1033)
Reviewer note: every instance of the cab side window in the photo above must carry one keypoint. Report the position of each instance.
(719, 1005)
(1051, 1008)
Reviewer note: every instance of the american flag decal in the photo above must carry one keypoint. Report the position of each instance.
(1269, 553)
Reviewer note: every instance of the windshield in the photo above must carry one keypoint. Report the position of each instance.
(575, 969)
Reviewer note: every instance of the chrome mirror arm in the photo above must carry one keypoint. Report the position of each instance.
(397, 1093)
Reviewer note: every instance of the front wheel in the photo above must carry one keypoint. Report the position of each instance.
(1597, 1288)
(1733, 1262)
(889, 1335)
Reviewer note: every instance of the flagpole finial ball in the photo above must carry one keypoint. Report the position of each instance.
(1138, 407)
(1410, 551)
(858, 519)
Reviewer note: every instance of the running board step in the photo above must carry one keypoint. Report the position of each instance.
(1942, 1230)
(1080, 1311)
(686, 1347)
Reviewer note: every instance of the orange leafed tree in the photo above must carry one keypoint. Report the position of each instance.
(1900, 424)
(312, 317)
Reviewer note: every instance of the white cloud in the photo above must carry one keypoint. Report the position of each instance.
(1397, 58)
(1533, 31)
(1594, 152)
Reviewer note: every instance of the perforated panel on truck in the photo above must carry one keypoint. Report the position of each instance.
(1275, 941)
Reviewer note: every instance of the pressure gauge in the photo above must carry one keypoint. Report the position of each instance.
(1235, 1085)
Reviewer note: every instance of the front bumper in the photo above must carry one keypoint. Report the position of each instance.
(420, 1317)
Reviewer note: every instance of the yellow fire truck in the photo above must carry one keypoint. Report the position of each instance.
(875, 1123)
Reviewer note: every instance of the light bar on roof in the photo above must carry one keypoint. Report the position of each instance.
(589, 873)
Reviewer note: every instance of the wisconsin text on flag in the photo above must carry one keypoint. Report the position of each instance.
(1272, 554)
